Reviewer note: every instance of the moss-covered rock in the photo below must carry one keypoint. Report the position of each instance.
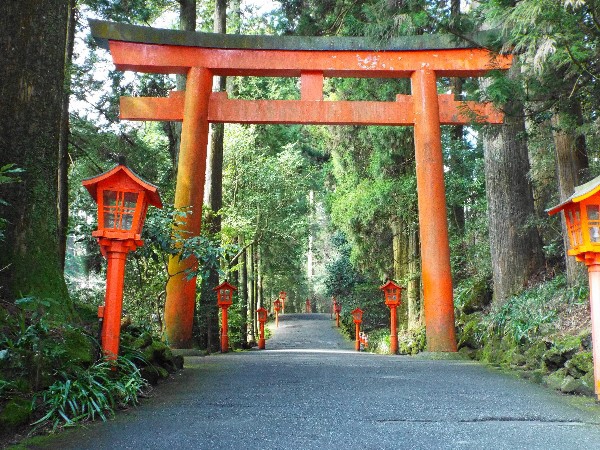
(580, 364)
(588, 382)
(158, 353)
(534, 356)
(572, 385)
(556, 379)
(144, 340)
(16, 412)
(79, 348)
(562, 349)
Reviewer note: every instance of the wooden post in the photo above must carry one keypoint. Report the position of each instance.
(594, 279)
(433, 222)
(189, 193)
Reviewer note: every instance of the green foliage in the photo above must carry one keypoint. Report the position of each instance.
(525, 317)
(33, 343)
(521, 317)
(341, 278)
(84, 394)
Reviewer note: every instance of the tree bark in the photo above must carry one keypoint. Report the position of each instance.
(250, 287)
(516, 247)
(244, 293)
(63, 144)
(214, 184)
(571, 162)
(400, 258)
(33, 37)
(413, 288)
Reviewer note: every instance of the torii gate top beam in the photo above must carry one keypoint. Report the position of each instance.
(144, 49)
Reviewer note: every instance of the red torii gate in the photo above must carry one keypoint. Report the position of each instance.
(203, 55)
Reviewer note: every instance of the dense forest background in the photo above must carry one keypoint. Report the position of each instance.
(314, 211)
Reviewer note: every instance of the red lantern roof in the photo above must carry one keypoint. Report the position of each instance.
(581, 193)
(122, 177)
(390, 285)
(357, 315)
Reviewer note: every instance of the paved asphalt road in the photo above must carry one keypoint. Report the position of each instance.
(309, 390)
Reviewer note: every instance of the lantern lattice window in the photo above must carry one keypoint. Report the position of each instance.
(119, 209)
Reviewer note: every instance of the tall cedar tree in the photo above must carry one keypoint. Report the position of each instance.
(33, 36)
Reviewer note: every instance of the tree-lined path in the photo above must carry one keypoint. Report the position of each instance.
(303, 394)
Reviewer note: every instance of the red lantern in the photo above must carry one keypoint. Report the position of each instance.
(582, 217)
(357, 317)
(392, 292)
(262, 318)
(277, 305)
(123, 200)
(224, 301)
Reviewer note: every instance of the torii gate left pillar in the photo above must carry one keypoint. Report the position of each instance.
(425, 109)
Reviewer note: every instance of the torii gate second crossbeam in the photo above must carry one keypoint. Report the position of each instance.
(202, 55)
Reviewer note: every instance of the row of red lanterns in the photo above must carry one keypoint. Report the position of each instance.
(392, 293)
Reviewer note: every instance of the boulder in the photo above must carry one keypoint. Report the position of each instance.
(580, 364)
(556, 379)
(562, 350)
(17, 411)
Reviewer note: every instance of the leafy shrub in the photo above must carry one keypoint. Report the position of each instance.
(85, 394)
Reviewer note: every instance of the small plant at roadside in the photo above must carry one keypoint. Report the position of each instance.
(85, 394)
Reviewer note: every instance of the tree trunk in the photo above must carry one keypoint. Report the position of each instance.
(251, 314)
(400, 253)
(255, 288)
(214, 190)
(63, 144)
(33, 37)
(413, 287)
(515, 245)
(571, 162)
(260, 292)
(244, 293)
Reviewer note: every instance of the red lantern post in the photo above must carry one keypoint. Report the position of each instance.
(224, 301)
(123, 200)
(582, 216)
(338, 309)
(308, 309)
(357, 317)
(392, 293)
(277, 305)
(262, 318)
(283, 298)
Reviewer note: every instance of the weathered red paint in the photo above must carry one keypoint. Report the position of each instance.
(222, 109)
(152, 58)
(433, 222)
(181, 292)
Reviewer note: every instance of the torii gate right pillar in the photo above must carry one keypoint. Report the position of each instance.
(433, 221)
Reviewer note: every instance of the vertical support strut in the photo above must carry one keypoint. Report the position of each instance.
(189, 193)
(433, 222)
(116, 254)
(594, 279)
